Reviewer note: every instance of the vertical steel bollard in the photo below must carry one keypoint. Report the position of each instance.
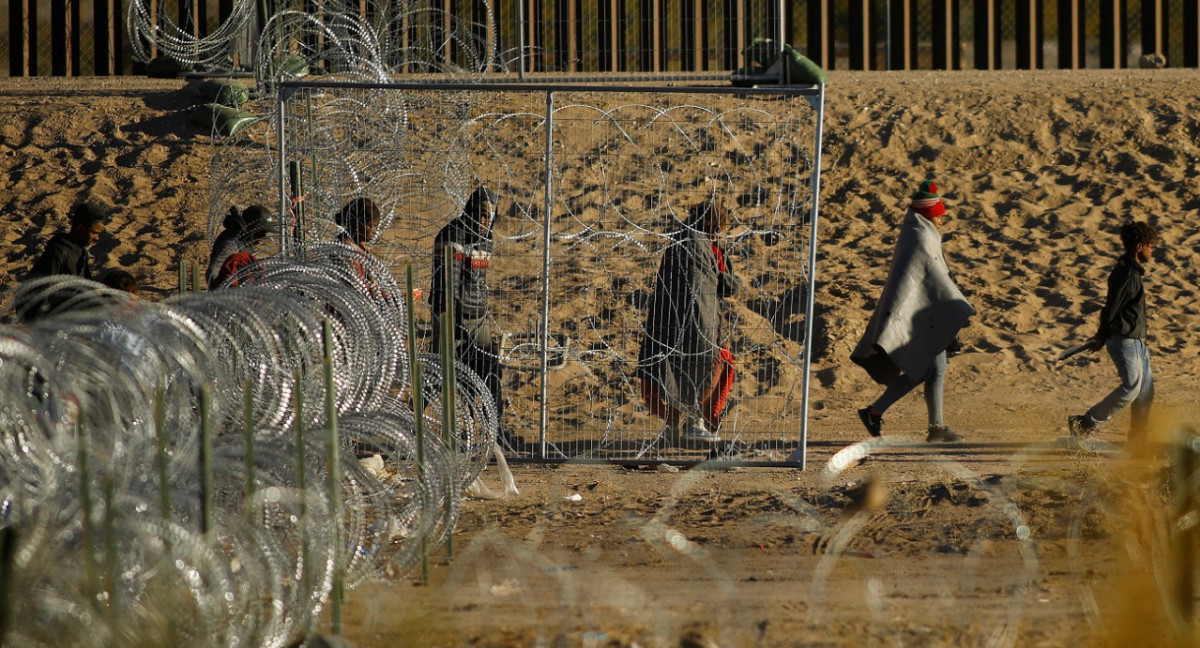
(335, 478)
(182, 276)
(416, 389)
(196, 278)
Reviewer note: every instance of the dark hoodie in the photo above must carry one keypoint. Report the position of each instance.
(62, 257)
(472, 251)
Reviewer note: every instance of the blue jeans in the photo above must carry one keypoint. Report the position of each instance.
(934, 380)
(1137, 383)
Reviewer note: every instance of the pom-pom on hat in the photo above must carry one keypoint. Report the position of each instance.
(928, 200)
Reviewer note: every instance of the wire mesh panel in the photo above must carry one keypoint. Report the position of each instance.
(606, 197)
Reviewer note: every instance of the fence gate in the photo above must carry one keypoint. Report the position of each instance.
(592, 182)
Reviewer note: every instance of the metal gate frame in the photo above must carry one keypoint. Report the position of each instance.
(815, 94)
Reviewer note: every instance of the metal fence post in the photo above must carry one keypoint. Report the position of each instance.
(544, 414)
(810, 298)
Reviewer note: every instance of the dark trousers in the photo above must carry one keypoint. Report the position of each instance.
(476, 347)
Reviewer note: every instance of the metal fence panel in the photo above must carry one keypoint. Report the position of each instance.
(624, 167)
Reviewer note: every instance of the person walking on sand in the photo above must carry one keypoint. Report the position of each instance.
(66, 253)
(1122, 331)
(916, 321)
(685, 365)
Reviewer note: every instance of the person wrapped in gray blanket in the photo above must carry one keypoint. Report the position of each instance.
(916, 321)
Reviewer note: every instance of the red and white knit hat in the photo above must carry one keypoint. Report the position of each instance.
(928, 200)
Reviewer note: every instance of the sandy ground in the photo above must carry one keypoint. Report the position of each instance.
(1012, 538)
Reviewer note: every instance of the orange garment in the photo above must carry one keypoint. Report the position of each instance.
(233, 265)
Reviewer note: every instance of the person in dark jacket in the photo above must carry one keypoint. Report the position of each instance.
(469, 240)
(66, 253)
(234, 246)
(685, 364)
(1122, 331)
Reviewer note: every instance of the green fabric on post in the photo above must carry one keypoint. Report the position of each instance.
(801, 69)
(225, 120)
(165, 67)
(222, 91)
(289, 65)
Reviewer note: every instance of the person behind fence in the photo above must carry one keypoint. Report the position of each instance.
(234, 247)
(916, 321)
(66, 253)
(468, 237)
(359, 219)
(1122, 331)
(685, 363)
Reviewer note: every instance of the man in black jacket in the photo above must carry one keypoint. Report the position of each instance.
(66, 253)
(469, 239)
(1122, 331)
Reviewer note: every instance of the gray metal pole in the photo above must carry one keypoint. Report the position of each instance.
(281, 137)
(521, 39)
(819, 102)
(780, 35)
(545, 406)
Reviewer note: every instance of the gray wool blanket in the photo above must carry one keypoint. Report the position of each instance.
(920, 311)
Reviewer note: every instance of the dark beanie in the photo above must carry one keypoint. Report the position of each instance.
(255, 217)
(87, 214)
(928, 200)
(478, 197)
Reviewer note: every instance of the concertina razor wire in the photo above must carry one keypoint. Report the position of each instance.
(100, 476)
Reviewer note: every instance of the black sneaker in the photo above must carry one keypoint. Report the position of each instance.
(1081, 425)
(942, 434)
(873, 422)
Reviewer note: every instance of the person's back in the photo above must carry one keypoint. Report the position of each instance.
(66, 253)
(240, 232)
